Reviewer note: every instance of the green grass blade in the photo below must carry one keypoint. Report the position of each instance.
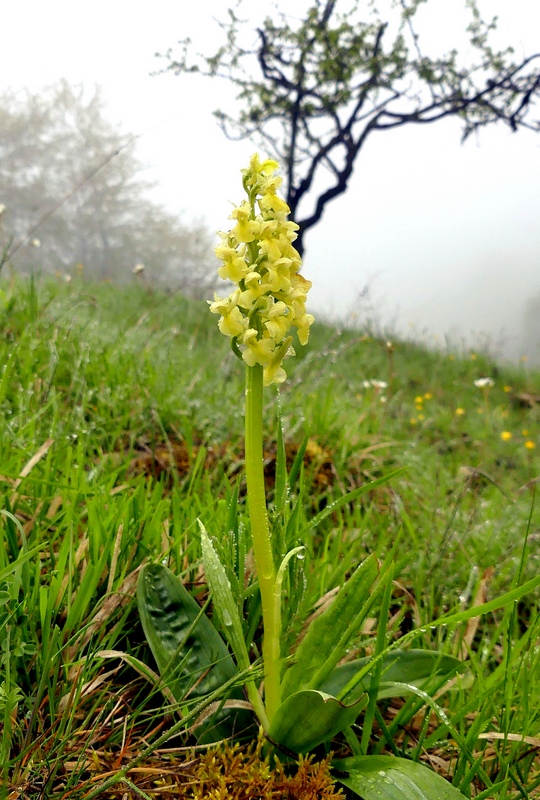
(329, 634)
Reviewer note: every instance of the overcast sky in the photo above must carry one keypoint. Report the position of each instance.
(446, 235)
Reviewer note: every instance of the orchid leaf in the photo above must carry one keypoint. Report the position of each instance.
(329, 635)
(308, 718)
(187, 648)
(389, 778)
(192, 658)
(415, 667)
(225, 606)
(226, 610)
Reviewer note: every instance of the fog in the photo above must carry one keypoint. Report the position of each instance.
(446, 236)
(448, 243)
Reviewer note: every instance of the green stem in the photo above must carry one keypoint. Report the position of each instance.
(260, 532)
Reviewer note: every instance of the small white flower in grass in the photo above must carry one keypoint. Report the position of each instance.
(374, 384)
(484, 383)
(35, 243)
(138, 268)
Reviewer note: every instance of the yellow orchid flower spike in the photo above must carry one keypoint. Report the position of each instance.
(258, 256)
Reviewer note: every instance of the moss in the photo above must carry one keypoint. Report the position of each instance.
(232, 772)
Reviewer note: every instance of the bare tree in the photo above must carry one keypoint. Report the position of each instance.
(313, 89)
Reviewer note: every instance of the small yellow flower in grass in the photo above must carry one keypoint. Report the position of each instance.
(419, 400)
(421, 416)
(258, 256)
(524, 432)
(507, 388)
(506, 436)
(459, 411)
(413, 421)
(428, 396)
(530, 445)
(473, 356)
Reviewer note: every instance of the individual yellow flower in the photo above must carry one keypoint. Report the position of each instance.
(255, 288)
(506, 436)
(224, 305)
(459, 412)
(279, 321)
(245, 228)
(419, 400)
(270, 201)
(525, 432)
(258, 170)
(428, 396)
(279, 275)
(258, 351)
(269, 245)
(232, 322)
(234, 268)
(530, 445)
(273, 372)
(303, 324)
(507, 388)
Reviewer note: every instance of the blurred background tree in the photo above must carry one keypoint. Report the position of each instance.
(74, 196)
(314, 84)
(531, 330)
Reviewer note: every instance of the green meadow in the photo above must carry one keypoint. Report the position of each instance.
(122, 425)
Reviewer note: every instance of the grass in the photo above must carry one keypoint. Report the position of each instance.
(122, 424)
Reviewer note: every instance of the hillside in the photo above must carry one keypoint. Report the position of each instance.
(122, 424)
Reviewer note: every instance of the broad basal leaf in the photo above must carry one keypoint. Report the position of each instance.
(389, 778)
(187, 648)
(416, 667)
(306, 719)
(191, 656)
